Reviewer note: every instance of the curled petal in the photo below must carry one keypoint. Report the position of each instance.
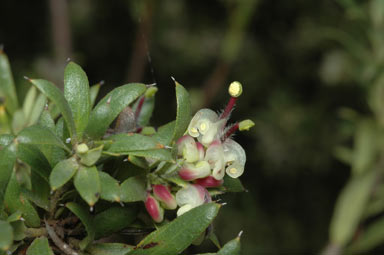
(186, 146)
(214, 132)
(193, 195)
(235, 158)
(201, 122)
(165, 197)
(215, 157)
(191, 172)
(184, 209)
(235, 170)
(209, 182)
(154, 209)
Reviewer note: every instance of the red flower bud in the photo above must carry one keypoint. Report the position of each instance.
(209, 182)
(154, 209)
(165, 197)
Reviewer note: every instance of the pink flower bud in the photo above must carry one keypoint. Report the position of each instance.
(154, 209)
(186, 146)
(191, 172)
(165, 197)
(200, 149)
(215, 157)
(209, 182)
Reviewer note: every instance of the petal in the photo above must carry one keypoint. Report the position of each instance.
(215, 157)
(235, 170)
(184, 209)
(200, 149)
(193, 195)
(209, 182)
(200, 120)
(187, 147)
(191, 172)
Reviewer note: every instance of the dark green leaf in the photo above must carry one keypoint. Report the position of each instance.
(176, 236)
(15, 201)
(91, 156)
(164, 133)
(233, 184)
(40, 192)
(39, 246)
(31, 155)
(15, 216)
(6, 235)
(350, 207)
(87, 183)
(86, 219)
(6, 139)
(158, 154)
(7, 161)
(109, 249)
(231, 248)
(76, 91)
(63, 172)
(133, 189)
(55, 95)
(124, 143)
(113, 220)
(7, 85)
(19, 230)
(93, 92)
(183, 113)
(39, 135)
(110, 188)
(37, 109)
(110, 107)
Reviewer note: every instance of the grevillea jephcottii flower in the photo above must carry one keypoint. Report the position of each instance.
(205, 154)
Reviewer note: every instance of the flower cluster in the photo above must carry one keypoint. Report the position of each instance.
(205, 154)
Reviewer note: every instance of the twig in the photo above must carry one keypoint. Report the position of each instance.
(58, 242)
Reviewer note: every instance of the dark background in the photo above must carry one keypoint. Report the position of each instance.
(274, 47)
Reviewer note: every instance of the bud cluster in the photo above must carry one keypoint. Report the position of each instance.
(205, 154)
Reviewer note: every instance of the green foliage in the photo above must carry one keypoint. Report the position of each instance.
(69, 153)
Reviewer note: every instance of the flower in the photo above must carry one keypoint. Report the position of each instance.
(190, 197)
(235, 158)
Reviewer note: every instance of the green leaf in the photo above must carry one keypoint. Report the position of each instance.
(86, 219)
(232, 184)
(29, 101)
(164, 133)
(183, 113)
(19, 121)
(368, 239)
(146, 111)
(93, 92)
(39, 135)
(76, 91)
(55, 95)
(109, 249)
(31, 155)
(231, 248)
(158, 154)
(176, 236)
(110, 107)
(40, 193)
(39, 246)
(350, 207)
(37, 109)
(133, 189)
(7, 161)
(113, 220)
(6, 139)
(19, 230)
(63, 172)
(14, 216)
(6, 235)
(124, 143)
(91, 156)
(7, 85)
(87, 183)
(16, 201)
(110, 188)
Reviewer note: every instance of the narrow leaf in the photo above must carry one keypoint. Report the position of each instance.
(37, 109)
(55, 95)
(63, 172)
(158, 154)
(183, 112)
(6, 235)
(232, 184)
(110, 107)
(86, 219)
(165, 133)
(176, 236)
(109, 249)
(93, 92)
(30, 154)
(7, 85)
(39, 246)
(133, 189)
(7, 161)
(231, 248)
(76, 91)
(124, 143)
(87, 183)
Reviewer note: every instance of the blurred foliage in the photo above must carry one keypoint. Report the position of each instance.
(305, 65)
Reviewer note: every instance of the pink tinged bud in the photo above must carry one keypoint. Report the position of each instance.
(201, 122)
(215, 157)
(186, 146)
(235, 158)
(209, 182)
(200, 149)
(165, 197)
(193, 195)
(154, 209)
(191, 172)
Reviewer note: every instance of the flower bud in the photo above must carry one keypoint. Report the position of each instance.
(154, 209)
(165, 197)
(186, 146)
(235, 158)
(82, 148)
(193, 195)
(209, 182)
(191, 172)
(215, 157)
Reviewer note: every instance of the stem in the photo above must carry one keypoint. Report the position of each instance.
(139, 107)
(58, 242)
(230, 131)
(228, 108)
(35, 232)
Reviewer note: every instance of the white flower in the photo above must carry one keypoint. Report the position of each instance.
(234, 156)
